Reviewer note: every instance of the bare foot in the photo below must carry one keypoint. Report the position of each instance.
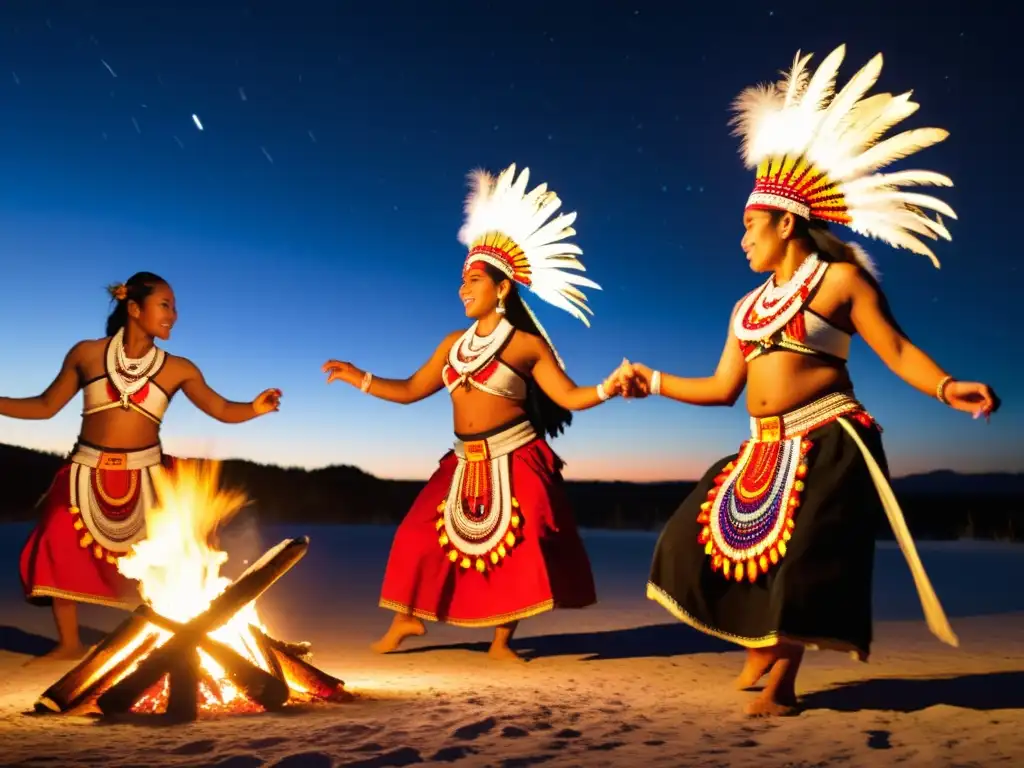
(757, 665)
(765, 706)
(60, 653)
(501, 652)
(401, 628)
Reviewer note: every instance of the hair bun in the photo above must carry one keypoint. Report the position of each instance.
(118, 291)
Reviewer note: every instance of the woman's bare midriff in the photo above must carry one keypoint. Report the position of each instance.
(780, 381)
(117, 428)
(477, 412)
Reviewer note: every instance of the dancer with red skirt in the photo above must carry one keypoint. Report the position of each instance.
(95, 509)
(491, 539)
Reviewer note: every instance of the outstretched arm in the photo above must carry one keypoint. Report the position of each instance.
(56, 396)
(873, 319)
(563, 391)
(213, 404)
(722, 388)
(421, 385)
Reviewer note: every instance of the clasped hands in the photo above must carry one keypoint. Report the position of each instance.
(629, 380)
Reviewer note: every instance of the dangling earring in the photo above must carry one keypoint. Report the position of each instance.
(501, 306)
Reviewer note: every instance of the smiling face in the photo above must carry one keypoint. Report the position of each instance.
(479, 293)
(764, 238)
(157, 314)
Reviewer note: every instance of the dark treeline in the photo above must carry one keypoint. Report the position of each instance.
(940, 505)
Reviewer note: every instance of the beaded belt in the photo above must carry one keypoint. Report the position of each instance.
(97, 458)
(497, 445)
(770, 429)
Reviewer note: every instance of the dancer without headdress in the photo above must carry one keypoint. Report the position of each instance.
(774, 548)
(95, 509)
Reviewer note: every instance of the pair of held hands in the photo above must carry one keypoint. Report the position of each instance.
(629, 380)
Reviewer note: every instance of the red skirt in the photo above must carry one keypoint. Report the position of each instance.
(63, 559)
(545, 567)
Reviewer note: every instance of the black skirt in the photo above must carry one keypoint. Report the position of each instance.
(818, 589)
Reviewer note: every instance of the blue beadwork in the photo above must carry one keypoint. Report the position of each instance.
(746, 535)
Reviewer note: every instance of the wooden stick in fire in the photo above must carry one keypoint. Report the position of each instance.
(313, 681)
(100, 667)
(246, 588)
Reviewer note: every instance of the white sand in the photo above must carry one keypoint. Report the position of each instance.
(618, 684)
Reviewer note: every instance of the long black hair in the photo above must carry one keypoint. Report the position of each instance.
(138, 287)
(547, 417)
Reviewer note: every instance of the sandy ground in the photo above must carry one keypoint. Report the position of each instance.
(619, 684)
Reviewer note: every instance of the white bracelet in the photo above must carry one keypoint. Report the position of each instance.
(367, 379)
(601, 394)
(656, 383)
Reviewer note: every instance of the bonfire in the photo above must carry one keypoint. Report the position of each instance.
(196, 645)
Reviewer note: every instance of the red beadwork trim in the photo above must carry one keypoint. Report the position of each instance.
(138, 398)
(802, 294)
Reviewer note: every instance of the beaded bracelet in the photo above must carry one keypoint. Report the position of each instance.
(367, 380)
(940, 390)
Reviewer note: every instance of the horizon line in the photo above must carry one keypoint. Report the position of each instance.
(425, 479)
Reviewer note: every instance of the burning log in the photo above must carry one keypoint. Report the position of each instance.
(250, 585)
(314, 682)
(185, 676)
(101, 667)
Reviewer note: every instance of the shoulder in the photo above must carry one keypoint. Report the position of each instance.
(449, 340)
(532, 345)
(528, 337)
(745, 297)
(87, 348)
(180, 365)
(851, 280)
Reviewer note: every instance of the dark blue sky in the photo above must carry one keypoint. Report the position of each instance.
(316, 214)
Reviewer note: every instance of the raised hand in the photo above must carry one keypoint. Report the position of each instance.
(338, 370)
(266, 401)
(971, 397)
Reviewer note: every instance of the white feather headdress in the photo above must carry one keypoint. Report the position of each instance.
(818, 155)
(508, 227)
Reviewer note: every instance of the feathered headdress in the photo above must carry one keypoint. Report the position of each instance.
(818, 154)
(508, 227)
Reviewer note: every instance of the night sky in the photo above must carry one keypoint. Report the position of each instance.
(315, 214)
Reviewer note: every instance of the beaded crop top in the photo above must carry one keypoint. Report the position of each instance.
(142, 395)
(150, 401)
(474, 361)
(778, 319)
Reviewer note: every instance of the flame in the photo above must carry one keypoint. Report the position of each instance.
(178, 566)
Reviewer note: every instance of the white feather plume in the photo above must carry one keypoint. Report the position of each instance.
(503, 205)
(839, 134)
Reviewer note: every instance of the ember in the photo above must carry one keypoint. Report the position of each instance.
(197, 644)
